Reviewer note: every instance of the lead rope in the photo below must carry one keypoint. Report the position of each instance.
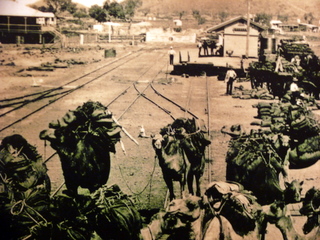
(23, 206)
(45, 149)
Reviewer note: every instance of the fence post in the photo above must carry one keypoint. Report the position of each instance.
(81, 39)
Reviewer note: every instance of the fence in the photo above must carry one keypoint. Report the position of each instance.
(98, 38)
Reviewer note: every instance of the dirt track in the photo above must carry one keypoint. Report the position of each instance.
(133, 171)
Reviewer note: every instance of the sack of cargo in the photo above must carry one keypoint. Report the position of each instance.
(310, 145)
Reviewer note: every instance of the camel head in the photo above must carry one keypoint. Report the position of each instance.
(283, 140)
(185, 210)
(311, 209)
(292, 193)
(157, 141)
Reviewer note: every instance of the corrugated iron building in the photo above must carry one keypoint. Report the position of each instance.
(234, 37)
(22, 24)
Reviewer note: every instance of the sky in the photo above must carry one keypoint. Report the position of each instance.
(87, 3)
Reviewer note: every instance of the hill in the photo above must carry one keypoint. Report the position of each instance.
(292, 8)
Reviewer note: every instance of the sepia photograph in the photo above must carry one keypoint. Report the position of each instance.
(160, 119)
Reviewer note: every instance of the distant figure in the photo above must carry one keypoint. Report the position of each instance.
(212, 46)
(142, 133)
(171, 53)
(294, 88)
(229, 79)
(296, 60)
(219, 50)
(205, 48)
(199, 45)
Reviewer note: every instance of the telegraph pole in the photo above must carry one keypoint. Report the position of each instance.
(248, 28)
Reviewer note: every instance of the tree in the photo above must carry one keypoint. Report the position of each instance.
(145, 11)
(197, 16)
(81, 13)
(308, 17)
(181, 14)
(71, 8)
(116, 10)
(130, 7)
(98, 13)
(223, 16)
(263, 18)
(58, 6)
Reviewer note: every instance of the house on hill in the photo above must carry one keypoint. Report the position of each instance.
(234, 34)
(22, 24)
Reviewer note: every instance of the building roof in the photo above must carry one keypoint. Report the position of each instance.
(275, 22)
(221, 26)
(16, 9)
(308, 25)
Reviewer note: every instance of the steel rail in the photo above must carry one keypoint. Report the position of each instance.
(74, 80)
(62, 96)
(44, 94)
(163, 109)
(208, 112)
(179, 106)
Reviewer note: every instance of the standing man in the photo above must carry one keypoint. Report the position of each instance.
(205, 48)
(171, 53)
(199, 45)
(295, 91)
(230, 77)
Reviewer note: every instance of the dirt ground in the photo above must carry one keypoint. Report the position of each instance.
(137, 173)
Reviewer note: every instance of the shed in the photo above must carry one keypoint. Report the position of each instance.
(234, 36)
(29, 25)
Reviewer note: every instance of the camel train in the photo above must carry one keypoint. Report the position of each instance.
(226, 210)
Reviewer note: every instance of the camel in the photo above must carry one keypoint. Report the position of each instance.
(187, 216)
(253, 161)
(155, 228)
(83, 140)
(195, 220)
(311, 209)
(171, 160)
(293, 158)
(192, 132)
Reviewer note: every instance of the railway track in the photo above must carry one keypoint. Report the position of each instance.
(136, 87)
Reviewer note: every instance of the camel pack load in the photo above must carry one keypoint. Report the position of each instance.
(83, 139)
(25, 187)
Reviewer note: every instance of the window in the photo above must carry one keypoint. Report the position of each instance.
(240, 29)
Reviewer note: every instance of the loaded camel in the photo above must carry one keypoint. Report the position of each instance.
(171, 160)
(253, 162)
(83, 139)
(24, 187)
(227, 211)
(311, 209)
(185, 140)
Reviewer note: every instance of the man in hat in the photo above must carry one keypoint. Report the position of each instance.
(230, 77)
(171, 53)
(295, 91)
